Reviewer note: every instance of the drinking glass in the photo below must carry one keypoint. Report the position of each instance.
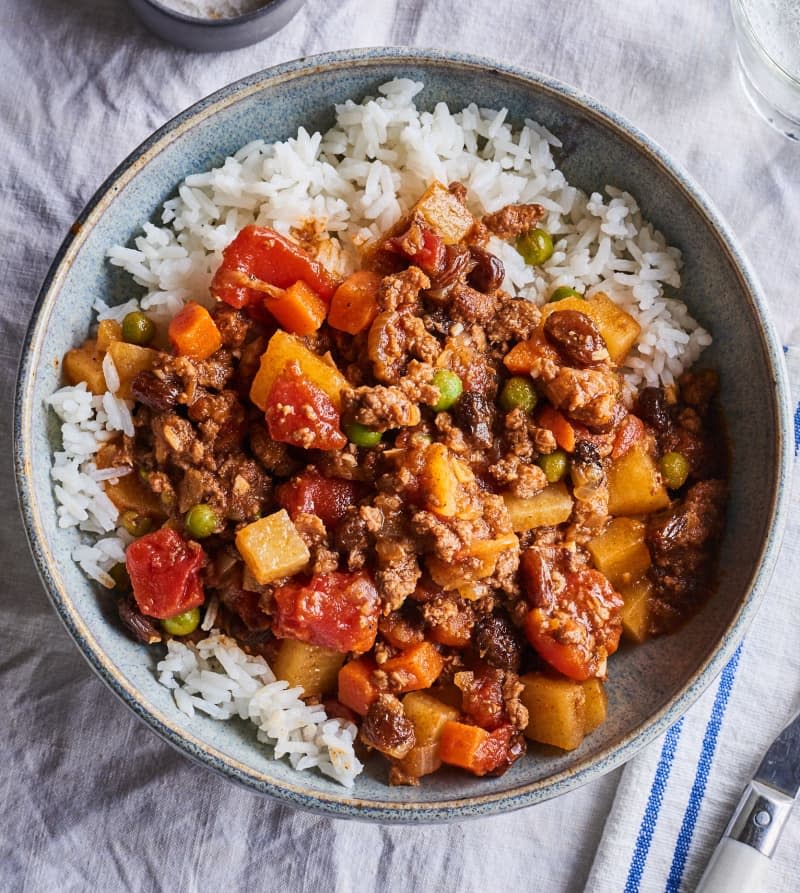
(768, 45)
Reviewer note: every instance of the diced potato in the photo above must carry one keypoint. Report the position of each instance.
(618, 328)
(596, 704)
(130, 360)
(109, 330)
(621, 553)
(282, 349)
(552, 506)
(634, 484)
(444, 213)
(272, 548)
(636, 610)
(313, 667)
(86, 364)
(129, 492)
(556, 710)
(428, 716)
(439, 481)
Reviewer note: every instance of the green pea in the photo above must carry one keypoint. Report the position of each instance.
(119, 574)
(536, 247)
(554, 465)
(137, 328)
(200, 521)
(518, 393)
(449, 386)
(134, 523)
(675, 469)
(360, 435)
(182, 624)
(563, 291)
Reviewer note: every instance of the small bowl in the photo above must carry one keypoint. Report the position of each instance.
(208, 35)
(651, 685)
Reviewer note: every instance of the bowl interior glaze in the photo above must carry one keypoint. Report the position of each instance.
(650, 686)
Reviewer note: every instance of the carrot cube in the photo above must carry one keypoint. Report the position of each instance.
(416, 667)
(354, 303)
(193, 333)
(356, 688)
(299, 309)
(563, 432)
(460, 744)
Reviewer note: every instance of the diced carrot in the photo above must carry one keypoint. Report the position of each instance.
(564, 432)
(354, 303)
(416, 667)
(298, 308)
(193, 333)
(520, 359)
(460, 744)
(356, 688)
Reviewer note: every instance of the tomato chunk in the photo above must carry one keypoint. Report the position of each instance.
(337, 610)
(165, 573)
(579, 627)
(422, 246)
(301, 413)
(313, 494)
(259, 258)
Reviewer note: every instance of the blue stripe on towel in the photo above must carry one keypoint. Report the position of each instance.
(650, 817)
(684, 841)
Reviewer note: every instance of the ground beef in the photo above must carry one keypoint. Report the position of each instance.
(313, 533)
(513, 220)
(234, 327)
(585, 395)
(380, 407)
(515, 320)
(470, 305)
(402, 289)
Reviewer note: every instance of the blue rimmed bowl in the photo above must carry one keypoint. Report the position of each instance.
(650, 686)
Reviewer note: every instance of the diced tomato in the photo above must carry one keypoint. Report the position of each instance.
(337, 610)
(327, 498)
(425, 249)
(302, 414)
(165, 573)
(482, 697)
(580, 628)
(259, 258)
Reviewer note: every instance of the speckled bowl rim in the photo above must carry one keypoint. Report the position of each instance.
(344, 805)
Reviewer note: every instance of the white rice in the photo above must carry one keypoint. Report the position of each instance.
(355, 181)
(219, 679)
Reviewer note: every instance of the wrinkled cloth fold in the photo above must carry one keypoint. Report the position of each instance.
(92, 799)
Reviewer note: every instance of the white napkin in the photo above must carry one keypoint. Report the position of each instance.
(674, 799)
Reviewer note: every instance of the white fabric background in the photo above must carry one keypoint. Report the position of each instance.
(91, 799)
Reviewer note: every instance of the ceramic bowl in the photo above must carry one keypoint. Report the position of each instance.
(215, 35)
(650, 686)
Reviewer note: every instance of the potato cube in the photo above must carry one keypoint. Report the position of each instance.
(634, 484)
(618, 328)
(444, 213)
(109, 330)
(282, 349)
(596, 704)
(313, 667)
(620, 552)
(550, 507)
(636, 610)
(439, 482)
(130, 360)
(428, 716)
(272, 548)
(86, 364)
(556, 710)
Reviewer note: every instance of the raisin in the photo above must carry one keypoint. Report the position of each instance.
(537, 582)
(488, 273)
(136, 623)
(576, 337)
(474, 413)
(496, 642)
(652, 408)
(387, 729)
(455, 265)
(160, 394)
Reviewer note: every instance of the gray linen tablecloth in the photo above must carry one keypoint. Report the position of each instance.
(91, 799)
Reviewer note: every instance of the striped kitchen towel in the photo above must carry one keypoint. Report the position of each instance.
(675, 798)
